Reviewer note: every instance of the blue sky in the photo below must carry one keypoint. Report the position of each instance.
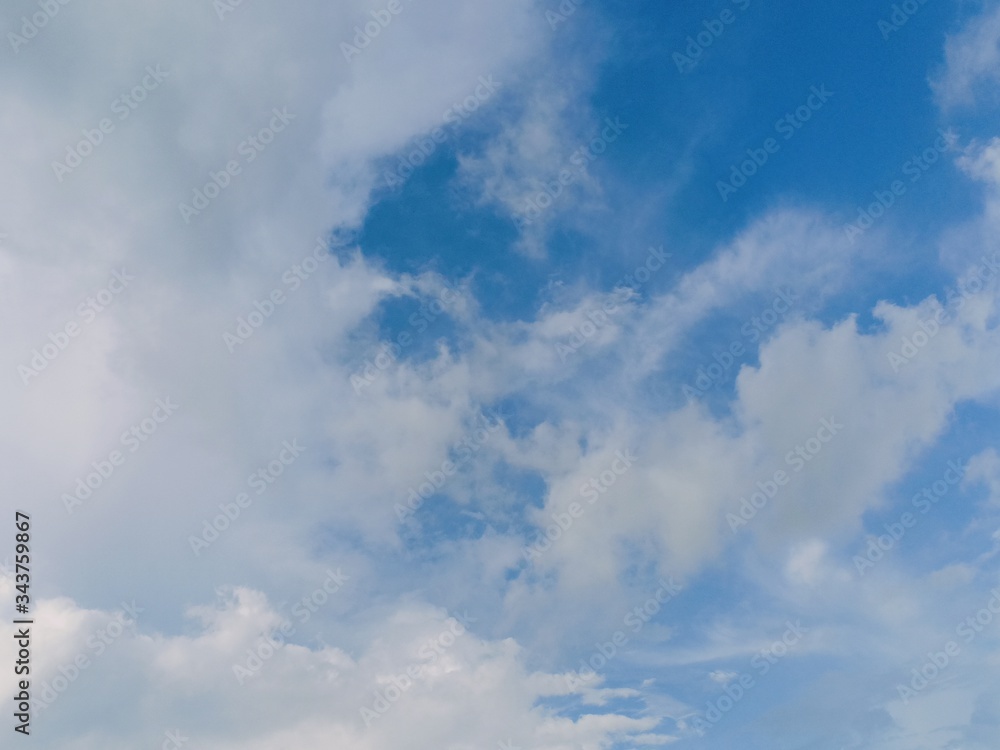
(507, 417)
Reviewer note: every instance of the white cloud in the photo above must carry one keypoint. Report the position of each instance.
(242, 677)
(972, 60)
(163, 337)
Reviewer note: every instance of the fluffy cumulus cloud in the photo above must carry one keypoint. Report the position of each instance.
(536, 443)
